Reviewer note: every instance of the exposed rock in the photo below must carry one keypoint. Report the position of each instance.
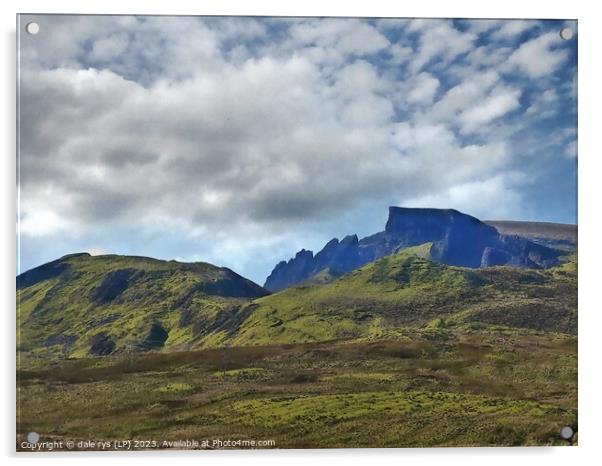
(155, 338)
(294, 271)
(553, 235)
(43, 272)
(112, 286)
(60, 339)
(492, 256)
(458, 239)
(101, 345)
(231, 285)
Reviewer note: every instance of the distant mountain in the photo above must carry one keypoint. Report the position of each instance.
(457, 239)
(83, 305)
(554, 235)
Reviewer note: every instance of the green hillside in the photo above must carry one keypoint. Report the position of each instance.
(406, 291)
(84, 305)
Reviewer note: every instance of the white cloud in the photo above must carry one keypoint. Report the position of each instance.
(357, 78)
(571, 149)
(464, 95)
(490, 199)
(537, 57)
(480, 26)
(348, 36)
(109, 47)
(400, 54)
(439, 40)
(511, 29)
(500, 101)
(424, 88)
(545, 105)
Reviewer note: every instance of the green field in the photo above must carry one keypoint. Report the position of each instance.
(426, 390)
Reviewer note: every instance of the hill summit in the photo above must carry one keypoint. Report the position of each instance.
(457, 239)
(81, 305)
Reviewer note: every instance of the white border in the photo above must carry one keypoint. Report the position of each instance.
(589, 224)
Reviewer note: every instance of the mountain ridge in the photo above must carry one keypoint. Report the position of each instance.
(458, 239)
(103, 305)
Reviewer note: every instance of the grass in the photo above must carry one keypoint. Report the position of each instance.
(464, 389)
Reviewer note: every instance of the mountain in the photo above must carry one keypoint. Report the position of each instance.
(457, 239)
(554, 235)
(83, 305)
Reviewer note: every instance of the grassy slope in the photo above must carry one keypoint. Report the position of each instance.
(406, 291)
(183, 298)
(464, 389)
(387, 298)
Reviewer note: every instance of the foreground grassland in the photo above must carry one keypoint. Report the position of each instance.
(430, 387)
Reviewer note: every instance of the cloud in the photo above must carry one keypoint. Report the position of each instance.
(240, 140)
(537, 57)
(348, 36)
(571, 149)
(480, 26)
(545, 105)
(424, 89)
(466, 94)
(438, 40)
(497, 193)
(513, 28)
(500, 101)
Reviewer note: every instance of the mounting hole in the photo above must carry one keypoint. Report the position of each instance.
(566, 33)
(32, 28)
(566, 433)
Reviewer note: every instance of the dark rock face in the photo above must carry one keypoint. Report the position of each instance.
(41, 273)
(46, 271)
(155, 338)
(458, 239)
(60, 339)
(294, 271)
(112, 286)
(232, 285)
(101, 345)
(340, 257)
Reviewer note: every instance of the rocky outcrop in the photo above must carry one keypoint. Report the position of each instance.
(457, 239)
(155, 338)
(113, 284)
(339, 257)
(101, 344)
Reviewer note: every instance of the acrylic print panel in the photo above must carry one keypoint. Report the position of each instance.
(245, 232)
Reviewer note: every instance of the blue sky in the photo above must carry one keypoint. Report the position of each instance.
(239, 141)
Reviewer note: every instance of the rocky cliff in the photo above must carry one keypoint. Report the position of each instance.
(457, 239)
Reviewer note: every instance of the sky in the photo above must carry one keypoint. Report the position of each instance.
(239, 141)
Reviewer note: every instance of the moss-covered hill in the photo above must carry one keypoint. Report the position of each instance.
(82, 305)
(406, 291)
(95, 305)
